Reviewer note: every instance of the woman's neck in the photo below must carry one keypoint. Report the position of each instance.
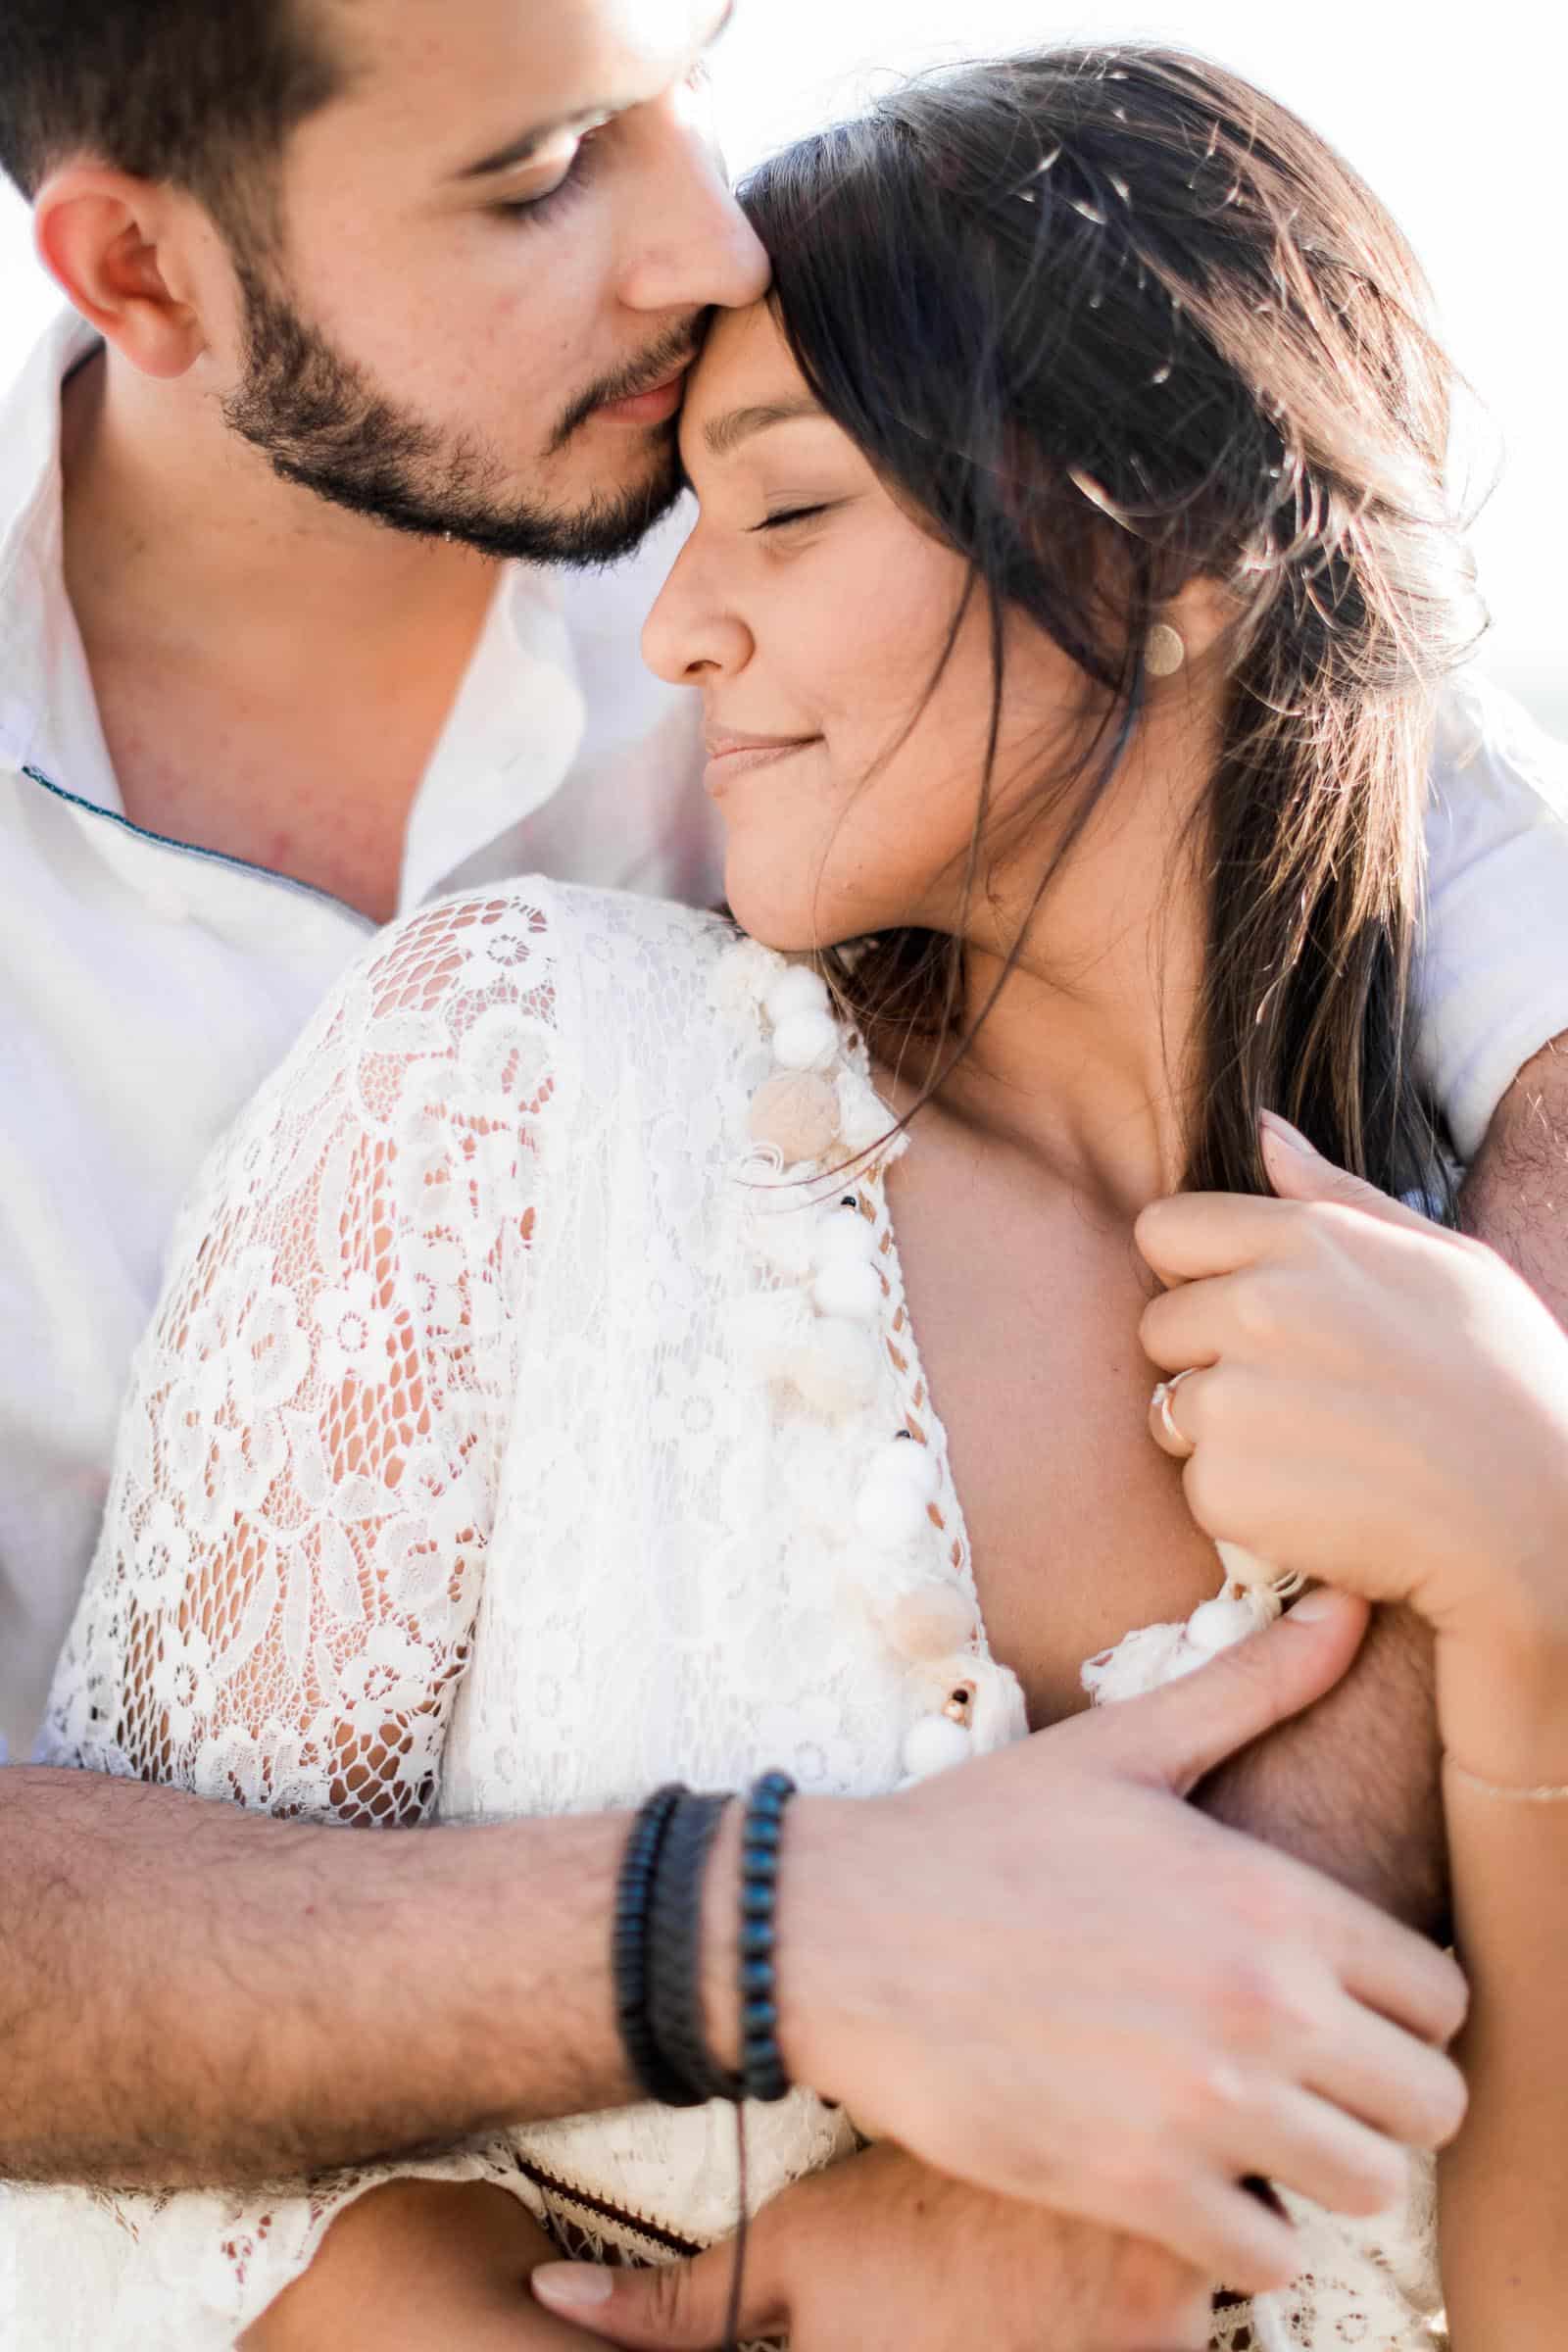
(1084, 1061)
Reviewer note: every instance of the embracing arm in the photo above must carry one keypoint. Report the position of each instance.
(276, 1624)
(1376, 1734)
(189, 1993)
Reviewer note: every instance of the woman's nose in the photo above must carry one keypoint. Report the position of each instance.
(689, 636)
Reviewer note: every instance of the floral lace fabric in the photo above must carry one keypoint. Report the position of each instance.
(445, 1487)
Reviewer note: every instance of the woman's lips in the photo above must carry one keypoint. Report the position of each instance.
(735, 756)
(649, 407)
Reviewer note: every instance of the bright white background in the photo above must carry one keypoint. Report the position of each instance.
(1455, 116)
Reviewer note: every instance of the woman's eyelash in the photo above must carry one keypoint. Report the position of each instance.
(788, 514)
(537, 210)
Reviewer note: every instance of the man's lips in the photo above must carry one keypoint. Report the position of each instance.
(652, 407)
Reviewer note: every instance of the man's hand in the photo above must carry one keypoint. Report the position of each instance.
(885, 2255)
(1047, 1974)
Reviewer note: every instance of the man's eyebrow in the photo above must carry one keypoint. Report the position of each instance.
(523, 148)
(724, 434)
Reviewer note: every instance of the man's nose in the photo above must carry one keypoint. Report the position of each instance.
(695, 249)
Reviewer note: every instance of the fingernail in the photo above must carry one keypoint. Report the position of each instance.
(571, 2285)
(1320, 1602)
(1272, 1124)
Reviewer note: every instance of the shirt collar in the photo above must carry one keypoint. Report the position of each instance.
(511, 738)
(48, 712)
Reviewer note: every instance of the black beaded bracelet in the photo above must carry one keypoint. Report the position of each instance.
(674, 1954)
(763, 2071)
(634, 1891)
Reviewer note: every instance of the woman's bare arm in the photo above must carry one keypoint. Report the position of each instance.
(1504, 2197)
(1503, 2186)
(1375, 1732)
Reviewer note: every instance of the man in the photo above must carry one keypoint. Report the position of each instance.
(343, 267)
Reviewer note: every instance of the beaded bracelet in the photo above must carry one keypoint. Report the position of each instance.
(763, 2071)
(629, 1953)
(674, 1954)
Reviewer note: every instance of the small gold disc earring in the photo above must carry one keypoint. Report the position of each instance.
(1164, 651)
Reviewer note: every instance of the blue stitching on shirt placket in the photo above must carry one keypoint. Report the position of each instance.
(191, 848)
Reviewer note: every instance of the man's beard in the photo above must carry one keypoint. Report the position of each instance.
(316, 417)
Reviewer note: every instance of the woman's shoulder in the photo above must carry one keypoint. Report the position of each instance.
(606, 980)
(529, 1009)
(549, 929)
(486, 1049)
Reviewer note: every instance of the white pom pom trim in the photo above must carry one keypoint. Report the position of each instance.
(905, 1462)
(935, 1744)
(890, 1514)
(796, 991)
(844, 1238)
(806, 1041)
(853, 1289)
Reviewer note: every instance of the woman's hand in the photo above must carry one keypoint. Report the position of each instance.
(1372, 1400)
(415, 2264)
(888, 2256)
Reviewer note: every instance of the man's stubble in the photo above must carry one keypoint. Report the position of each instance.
(321, 424)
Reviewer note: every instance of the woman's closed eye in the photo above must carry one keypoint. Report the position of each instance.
(782, 516)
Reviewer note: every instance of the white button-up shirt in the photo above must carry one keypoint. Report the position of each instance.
(146, 987)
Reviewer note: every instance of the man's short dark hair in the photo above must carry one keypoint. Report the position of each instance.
(200, 93)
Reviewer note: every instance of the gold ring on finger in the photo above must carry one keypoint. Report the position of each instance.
(1180, 1441)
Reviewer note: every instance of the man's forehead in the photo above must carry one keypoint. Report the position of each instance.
(448, 73)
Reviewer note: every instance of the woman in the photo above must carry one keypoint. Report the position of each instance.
(1071, 581)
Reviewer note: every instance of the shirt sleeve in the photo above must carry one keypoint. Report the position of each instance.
(1492, 972)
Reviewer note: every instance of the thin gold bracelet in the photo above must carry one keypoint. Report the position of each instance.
(1496, 1789)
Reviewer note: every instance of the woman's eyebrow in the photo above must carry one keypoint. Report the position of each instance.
(724, 434)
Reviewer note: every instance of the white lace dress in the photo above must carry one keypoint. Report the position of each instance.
(490, 1454)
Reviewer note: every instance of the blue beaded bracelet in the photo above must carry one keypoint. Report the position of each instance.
(763, 2071)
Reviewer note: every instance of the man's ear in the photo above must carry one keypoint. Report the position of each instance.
(119, 247)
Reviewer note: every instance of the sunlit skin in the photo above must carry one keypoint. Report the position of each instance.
(490, 298)
(812, 607)
(502, 207)
(1015, 1206)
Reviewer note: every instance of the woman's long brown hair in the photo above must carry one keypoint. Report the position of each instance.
(1110, 321)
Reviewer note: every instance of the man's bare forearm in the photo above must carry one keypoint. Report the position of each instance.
(1516, 1196)
(191, 1993)
(1352, 1787)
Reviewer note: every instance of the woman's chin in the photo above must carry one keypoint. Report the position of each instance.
(792, 920)
(774, 921)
